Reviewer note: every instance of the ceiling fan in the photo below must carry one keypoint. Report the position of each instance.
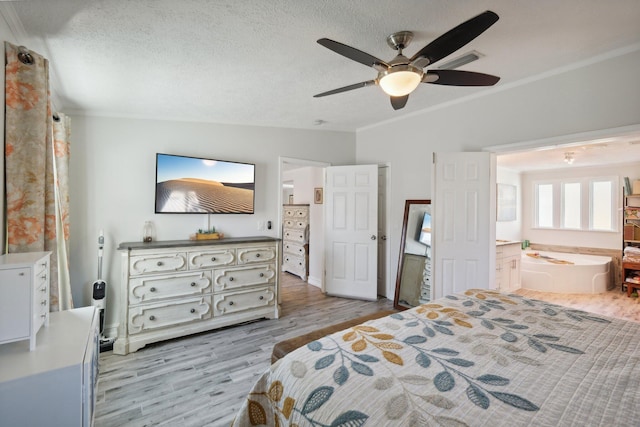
(401, 76)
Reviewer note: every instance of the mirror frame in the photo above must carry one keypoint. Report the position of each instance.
(403, 241)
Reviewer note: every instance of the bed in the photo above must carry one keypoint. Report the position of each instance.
(479, 358)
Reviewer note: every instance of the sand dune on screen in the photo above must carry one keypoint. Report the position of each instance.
(196, 195)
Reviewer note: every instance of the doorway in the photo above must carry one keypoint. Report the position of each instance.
(311, 175)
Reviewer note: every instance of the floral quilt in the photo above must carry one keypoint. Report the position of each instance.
(480, 358)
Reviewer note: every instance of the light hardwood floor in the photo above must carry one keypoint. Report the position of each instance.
(201, 380)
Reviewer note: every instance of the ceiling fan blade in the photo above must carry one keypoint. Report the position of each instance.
(398, 102)
(459, 78)
(354, 54)
(346, 88)
(454, 39)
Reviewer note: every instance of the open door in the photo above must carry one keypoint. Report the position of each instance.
(351, 228)
(464, 222)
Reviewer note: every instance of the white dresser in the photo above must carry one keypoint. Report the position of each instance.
(174, 288)
(24, 296)
(55, 384)
(295, 240)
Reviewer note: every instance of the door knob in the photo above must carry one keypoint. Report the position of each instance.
(373, 237)
(383, 238)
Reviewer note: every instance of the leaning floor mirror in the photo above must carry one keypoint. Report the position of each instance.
(413, 283)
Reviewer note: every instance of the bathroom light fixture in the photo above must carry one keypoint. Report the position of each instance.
(568, 157)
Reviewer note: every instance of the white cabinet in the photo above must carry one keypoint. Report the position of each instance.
(295, 236)
(24, 296)
(55, 384)
(508, 258)
(176, 288)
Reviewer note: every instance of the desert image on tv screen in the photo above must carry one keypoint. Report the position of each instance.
(193, 185)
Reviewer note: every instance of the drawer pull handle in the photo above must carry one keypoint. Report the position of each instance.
(44, 302)
(44, 290)
(152, 289)
(152, 317)
(43, 277)
(21, 274)
(230, 302)
(257, 255)
(231, 279)
(193, 310)
(44, 316)
(261, 297)
(193, 284)
(160, 263)
(261, 274)
(213, 258)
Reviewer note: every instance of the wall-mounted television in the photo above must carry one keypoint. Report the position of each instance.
(424, 236)
(200, 185)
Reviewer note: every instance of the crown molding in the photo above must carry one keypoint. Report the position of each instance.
(10, 16)
(20, 37)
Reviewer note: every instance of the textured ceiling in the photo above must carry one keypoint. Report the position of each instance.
(258, 63)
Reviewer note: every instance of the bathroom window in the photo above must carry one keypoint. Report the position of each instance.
(576, 204)
(571, 205)
(544, 205)
(603, 205)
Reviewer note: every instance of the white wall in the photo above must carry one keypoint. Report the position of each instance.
(305, 179)
(112, 180)
(600, 95)
(595, 239)
(510, 230)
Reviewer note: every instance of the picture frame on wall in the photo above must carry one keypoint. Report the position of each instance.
(318, 196)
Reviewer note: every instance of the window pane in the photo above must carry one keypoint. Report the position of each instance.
(545, 205)
(601, 203)
(571, 205)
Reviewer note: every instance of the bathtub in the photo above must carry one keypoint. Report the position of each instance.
(589, 274)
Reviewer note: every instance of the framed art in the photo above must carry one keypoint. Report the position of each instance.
(317, 195)
(506, 201)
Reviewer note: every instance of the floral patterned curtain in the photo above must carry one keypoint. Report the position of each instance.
(31, 218)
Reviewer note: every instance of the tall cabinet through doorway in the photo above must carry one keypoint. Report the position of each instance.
(295, 240)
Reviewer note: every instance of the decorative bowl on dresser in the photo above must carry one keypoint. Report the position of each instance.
(170, 289)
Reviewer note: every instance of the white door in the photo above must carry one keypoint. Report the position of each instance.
(351, 227)
(383, 250)
(463, 222)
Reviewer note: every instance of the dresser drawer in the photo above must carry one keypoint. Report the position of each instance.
(256, 254)
(292, 248)
(42, 270)
(233, 278)
(295, 223)
(144, 264)
(155, 288)
(232, 302)
(295, 236)
(212, 258)
(156, 316)
(294, 264)
(41, 303)
(299, 213)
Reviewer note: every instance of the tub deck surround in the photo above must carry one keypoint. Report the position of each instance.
(170, 289)
(565, 273)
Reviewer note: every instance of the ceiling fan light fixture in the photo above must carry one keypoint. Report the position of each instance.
(400, 80)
